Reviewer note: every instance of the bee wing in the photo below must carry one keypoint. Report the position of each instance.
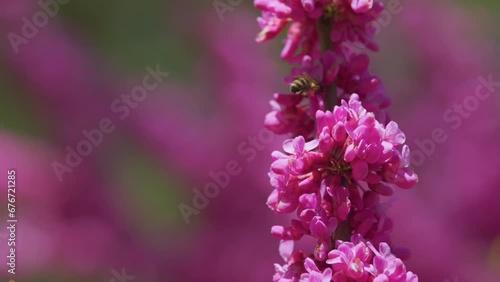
(306, 76)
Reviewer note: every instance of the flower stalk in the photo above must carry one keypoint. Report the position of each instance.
(344, 154)
(325, 24)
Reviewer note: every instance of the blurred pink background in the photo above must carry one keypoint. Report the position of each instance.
(116, 212)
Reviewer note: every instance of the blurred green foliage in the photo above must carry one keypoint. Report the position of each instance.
(17, 113)
(133, 34)
(146, 191)
(492, 6)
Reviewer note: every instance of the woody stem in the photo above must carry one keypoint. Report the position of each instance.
(325, 28)
(344, 230)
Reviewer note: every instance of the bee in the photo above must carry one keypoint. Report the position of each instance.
(303, 84)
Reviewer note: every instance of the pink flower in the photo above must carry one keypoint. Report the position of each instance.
(298, 158)
(303, 37)
(314, 274)
(294, 264)
(351, 22)
(322, 228)
(271, 26)
(302, 33)
(292, 174)
(370, 153)
(287, 233)
(369, 219)
(323, 71)
(360, 261)
(387, 267)
(354, 78)
(338, 202)
(361, 6)
(349, 260)
(290, 115)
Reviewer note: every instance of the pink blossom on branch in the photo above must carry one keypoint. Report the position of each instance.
(340, 174)
(345, 152)
(353, 24)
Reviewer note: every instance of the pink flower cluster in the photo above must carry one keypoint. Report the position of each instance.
(352, 23)
(337, 179)
(357, 260)
(344, 154)
(340, 174)
(352, 147)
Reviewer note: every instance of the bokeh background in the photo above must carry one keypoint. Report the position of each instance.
(115, 216)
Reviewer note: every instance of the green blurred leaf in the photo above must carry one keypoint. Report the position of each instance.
(148, 191)
(134, 34)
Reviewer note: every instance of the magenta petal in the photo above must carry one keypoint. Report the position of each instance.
(286, 204)
(370, 199)
(351, 153)
(318, 228)
(309, 201)
(387, 152)
(292, 146)
(286, 249)
(394, 134)
(325, 141)
(382, 189)
(373, 178)
(339, 133)
(320, 253)
(307, 215)
(359, 169)
(279, 166)
(359, 63)
(406, 178)
(278, 231)
(310, 266)
(313, 144)
(361, 6)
